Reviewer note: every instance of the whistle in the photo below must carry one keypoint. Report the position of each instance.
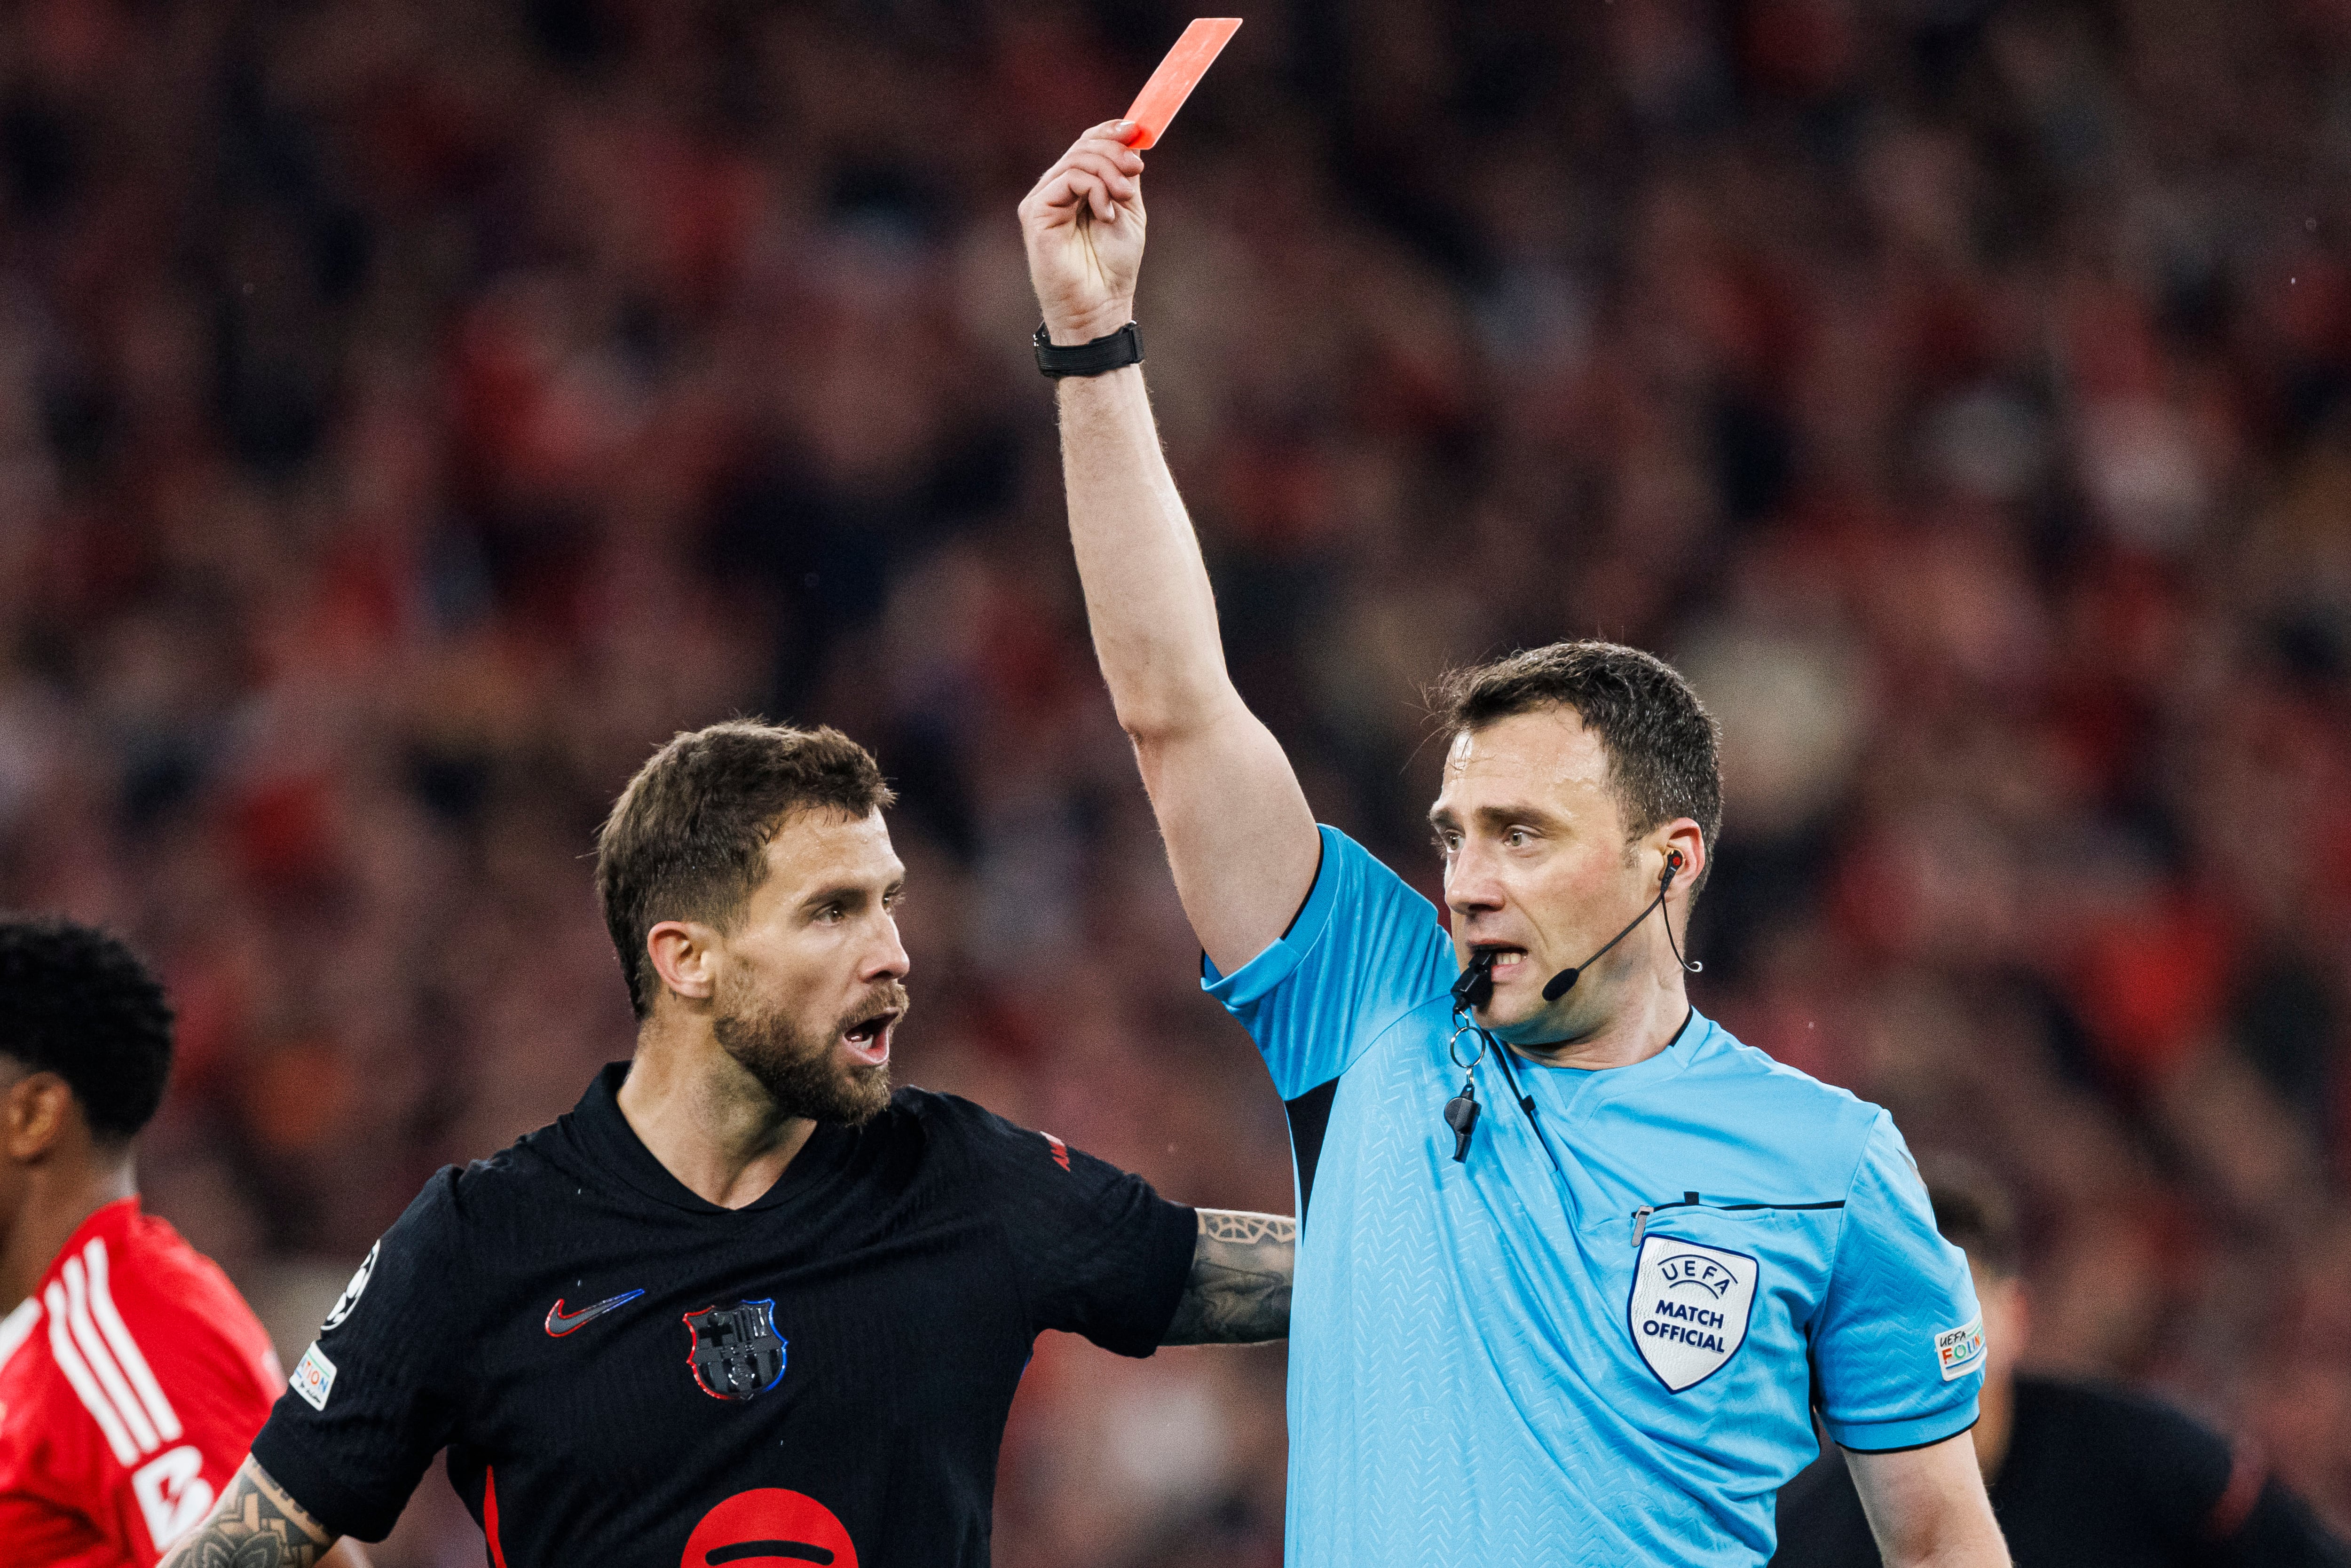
(1475, 987)
(1461, 1115)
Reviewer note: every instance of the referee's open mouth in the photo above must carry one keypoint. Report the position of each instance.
(1507, 959)
(868, 1038)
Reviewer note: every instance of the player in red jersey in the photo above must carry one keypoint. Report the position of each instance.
(133, 1376)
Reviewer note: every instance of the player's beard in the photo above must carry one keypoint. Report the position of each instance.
(800, 1070)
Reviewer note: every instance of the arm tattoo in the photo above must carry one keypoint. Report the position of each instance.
(254, 1525)
(1239, 1288)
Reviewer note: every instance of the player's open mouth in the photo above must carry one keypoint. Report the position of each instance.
(868, 1040)
(1505, 959)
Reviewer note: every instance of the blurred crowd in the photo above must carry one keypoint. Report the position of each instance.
(414, 411)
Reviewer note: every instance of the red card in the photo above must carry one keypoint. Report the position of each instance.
(1177, 75)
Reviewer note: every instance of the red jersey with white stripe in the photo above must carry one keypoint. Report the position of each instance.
(131, 1383)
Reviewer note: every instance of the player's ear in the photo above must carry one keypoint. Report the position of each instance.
(33, 1114)
(684, 955)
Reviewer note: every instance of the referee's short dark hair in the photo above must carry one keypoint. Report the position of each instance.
(687, 838)
(1661, 743)
(76, 1002)
(1974, 1213)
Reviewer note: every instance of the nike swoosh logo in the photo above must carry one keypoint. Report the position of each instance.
(559, 1324)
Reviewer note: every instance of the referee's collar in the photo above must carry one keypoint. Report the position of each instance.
(1585, 1088)
(603, 1136)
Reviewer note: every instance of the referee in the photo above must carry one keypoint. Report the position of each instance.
(744, 1304)
(1574, 1263)
(2082, 1475)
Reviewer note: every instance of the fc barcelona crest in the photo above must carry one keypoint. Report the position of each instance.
(737, 1351)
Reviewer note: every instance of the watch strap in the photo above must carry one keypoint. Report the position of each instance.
(1116, 351)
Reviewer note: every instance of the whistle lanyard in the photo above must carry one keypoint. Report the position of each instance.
(1461, 1111)
(1527, 1104)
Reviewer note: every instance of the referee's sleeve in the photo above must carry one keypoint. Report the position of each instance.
(1897, 1349)
(1365, 948)
(375, 1396)
(1096, 1252)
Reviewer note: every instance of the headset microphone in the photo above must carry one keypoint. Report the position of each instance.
(1558, 985)
(1475, 989)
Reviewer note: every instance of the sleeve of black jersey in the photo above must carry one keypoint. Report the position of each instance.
(2280, 1532)
(1098, 1252)
(391, 1359)
(2217, 1500)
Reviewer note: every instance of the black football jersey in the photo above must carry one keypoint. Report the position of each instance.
(2094, 1477)
(622, 1373)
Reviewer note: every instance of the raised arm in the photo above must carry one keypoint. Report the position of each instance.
(256, 1525)
(1239, 837)
(1239, 1288)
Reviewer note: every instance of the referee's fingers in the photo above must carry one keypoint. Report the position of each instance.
(1070, 191)
(1119, 181)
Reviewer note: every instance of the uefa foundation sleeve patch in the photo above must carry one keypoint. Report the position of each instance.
(314, 1376)
(1960, 1350)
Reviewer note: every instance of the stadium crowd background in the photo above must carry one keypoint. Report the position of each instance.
(410, 413)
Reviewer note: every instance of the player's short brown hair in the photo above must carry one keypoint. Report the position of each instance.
(1662, 745)
(1974, 1213)
(687, 838)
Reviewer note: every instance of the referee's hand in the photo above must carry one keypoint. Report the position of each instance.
(1082, 224)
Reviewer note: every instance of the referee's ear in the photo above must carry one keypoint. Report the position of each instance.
(684, 954)
(1681, 846)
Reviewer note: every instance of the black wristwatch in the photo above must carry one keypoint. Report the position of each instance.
(1115, 353)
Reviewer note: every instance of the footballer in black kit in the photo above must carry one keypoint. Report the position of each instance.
(2080, 1475)
(744, 1304)
(623, 1373)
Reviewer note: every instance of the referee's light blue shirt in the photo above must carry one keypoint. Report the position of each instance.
(1502, 1363)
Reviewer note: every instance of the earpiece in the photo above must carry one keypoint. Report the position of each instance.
(1564, 981)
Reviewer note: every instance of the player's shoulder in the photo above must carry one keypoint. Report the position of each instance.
(2124, 1440)
(467, 1224)
(20, 1357)
(2094, 1415)
(933, 1114)
(132, 1282)
(477, 1207)
(518, 1179)
(159, 1275)
(134, 1330)
(969, 1132)
(34, 1395)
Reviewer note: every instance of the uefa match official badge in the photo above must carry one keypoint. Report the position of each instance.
(1690, 1308)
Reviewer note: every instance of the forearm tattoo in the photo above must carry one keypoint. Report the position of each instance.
(254, 1525)
(1239, 1288)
